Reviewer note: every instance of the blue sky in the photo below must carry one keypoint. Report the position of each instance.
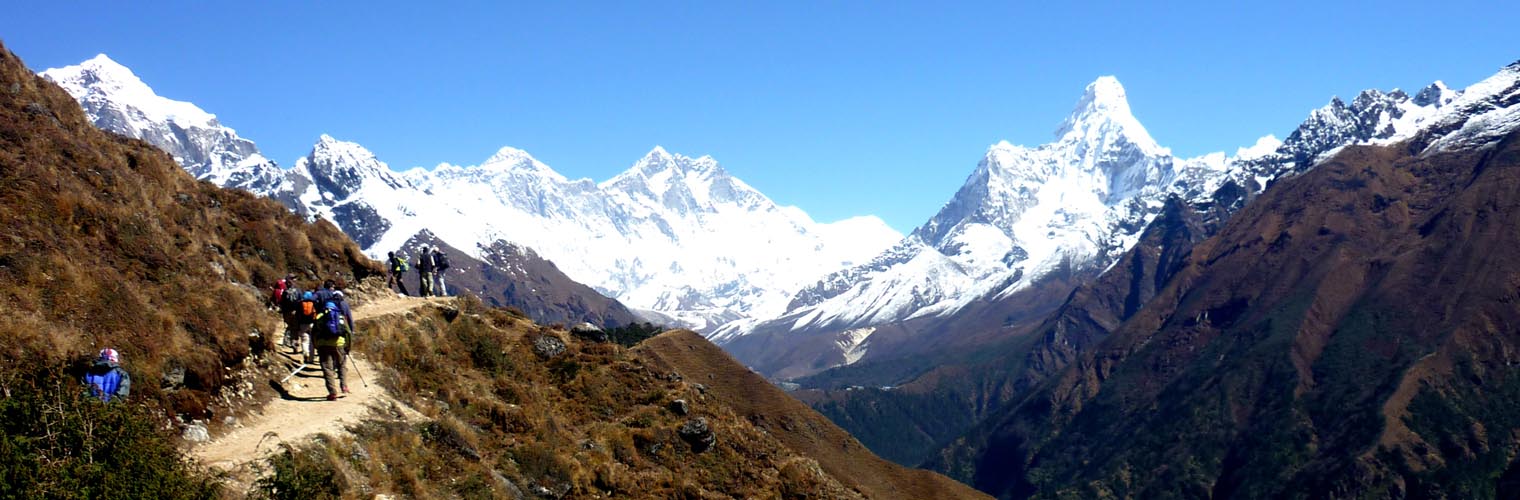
(840, 108)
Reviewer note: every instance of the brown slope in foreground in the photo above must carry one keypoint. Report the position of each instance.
(794, 423)
(109, 243)
(1350, 334)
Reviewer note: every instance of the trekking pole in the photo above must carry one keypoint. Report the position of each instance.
(292, 374)
(356, 370)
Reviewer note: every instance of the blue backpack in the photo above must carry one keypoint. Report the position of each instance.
(333, 326)
(104, 385)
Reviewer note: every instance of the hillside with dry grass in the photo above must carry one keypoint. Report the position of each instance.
(108, 243)
(512, 407)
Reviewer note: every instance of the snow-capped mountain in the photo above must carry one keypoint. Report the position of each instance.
(672, 235)
(117, 100)
(1022, 213)
(1072, 206)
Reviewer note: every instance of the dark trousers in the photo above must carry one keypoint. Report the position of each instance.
(393, 281)
(332, 368)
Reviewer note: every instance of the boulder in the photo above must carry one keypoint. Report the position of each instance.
(589, 332)
(698, 434)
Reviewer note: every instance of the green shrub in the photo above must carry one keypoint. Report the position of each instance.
(56, 442)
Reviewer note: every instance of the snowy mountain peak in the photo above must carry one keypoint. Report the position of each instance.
(512, 156)
(659, 160)
(1102, 119)
(333, 151)
(1436, 94)
(101, 78)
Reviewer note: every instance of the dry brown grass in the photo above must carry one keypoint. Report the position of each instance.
(593, 421)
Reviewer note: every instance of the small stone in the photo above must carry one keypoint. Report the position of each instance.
(702, 388)
(679, 407)
(173, 379)
(196, 433)
(511, 488)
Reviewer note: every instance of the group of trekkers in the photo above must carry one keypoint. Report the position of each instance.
(431, 264)
(318, 325)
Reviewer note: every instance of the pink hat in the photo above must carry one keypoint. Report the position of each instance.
(110, 355)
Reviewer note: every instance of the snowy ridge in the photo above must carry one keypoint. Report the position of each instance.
(674, 235)
(118, 101)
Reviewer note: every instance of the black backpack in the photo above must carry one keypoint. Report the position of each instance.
(291, 297)
(440, 261)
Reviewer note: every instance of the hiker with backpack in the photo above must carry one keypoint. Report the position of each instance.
(287, 298)
(397, 267)
(306, 314)
(333, 337)
(440, 264)
(425, 272)
(106, 379)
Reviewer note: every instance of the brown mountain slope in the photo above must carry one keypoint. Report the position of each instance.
(515, 276)
(109, 243)
(801, 429)
(1351, 333)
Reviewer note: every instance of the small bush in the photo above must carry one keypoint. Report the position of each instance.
(306, 472)
(59, 443)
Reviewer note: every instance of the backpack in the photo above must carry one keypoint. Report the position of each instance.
(398, 265)
(441, 261)
(308, 305)
(331, 324)
(291, 296)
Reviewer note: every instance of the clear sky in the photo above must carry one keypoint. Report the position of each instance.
(841, 108)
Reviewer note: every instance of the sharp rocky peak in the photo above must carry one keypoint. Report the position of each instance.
(1103, 117)
(101, 82)
(659, 160)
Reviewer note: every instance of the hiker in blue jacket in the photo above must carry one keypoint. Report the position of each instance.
(333, 338)
(106, 379)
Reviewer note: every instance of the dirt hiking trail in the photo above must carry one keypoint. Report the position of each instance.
(303, 410)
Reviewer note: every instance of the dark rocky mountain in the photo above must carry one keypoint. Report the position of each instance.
(1348, 334)
(515, 276)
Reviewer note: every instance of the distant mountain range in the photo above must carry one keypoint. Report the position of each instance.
(1031, 224)
(675, 236)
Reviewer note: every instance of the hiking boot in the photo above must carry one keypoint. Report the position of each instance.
(332, 397)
